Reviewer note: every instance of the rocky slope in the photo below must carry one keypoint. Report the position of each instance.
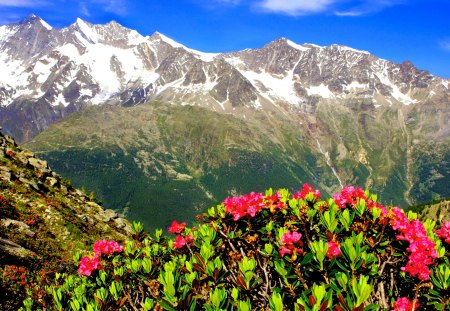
(43, 219)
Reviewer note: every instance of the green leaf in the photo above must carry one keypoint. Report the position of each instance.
(276, 302)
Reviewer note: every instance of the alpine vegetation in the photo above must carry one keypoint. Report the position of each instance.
(272, 251)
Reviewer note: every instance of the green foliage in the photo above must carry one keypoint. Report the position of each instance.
(238, 264)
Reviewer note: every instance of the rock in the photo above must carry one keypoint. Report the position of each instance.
(108, 215)
(51, 182)
(37, 164)
(5, 173)
(14, 250)
(91, 221)
(23, 227)
(30, 183)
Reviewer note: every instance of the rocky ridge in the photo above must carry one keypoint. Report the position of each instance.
(50, 73)
(41, 214)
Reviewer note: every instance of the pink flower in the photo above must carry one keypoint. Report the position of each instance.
(180, 241)
(284, 250)
(246, 205)
(88, 265)
(333, 250)
(349, 195)
(444, 232)
(305, 191)
(403, 304)
(422, 249)
(106, 247)
(176, 227)
(274, 202)
(290, 238)
(291, 243)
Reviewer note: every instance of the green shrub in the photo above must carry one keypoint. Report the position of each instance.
(276, 251)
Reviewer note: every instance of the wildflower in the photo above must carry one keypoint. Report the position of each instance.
(349, 195)
(180, 241)
(333, 250)
(305, 191)
(444, 232)
(176, 227)
(88, 265)
(422, 249)
(248, 204)
(107, 247)
(291, 243)
(403, 304)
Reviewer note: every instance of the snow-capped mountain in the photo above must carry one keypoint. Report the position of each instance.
(48, 73)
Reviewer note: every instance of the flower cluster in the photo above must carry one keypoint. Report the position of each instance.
(106, 247)
(176, 227)
(291, 243)
(88, 265)
(248, 204)
(180, 241)
(422, 249)
(14, 273)
(305, 191)
(101, 247)
(403, 304)
(349, 195)
(444, 232)
(274, 202)
(333, 250)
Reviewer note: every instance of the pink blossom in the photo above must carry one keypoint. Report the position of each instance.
(291, 243)
(333, 250)
(305, 191)
(403, 304)
(284, 250)
(88, 265)
(180, 241)
(176, 227)
(444, 232)
(246, 205)
(106, 247)
(422, 249)
(291, 237)
(349, 195)
(274, 201)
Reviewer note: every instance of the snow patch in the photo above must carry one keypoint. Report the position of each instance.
(47, 26)
(321, 90)
(69, 50)
(6, 32)
(297, 46)
(206, 57)
(86, 30)
(60, 100)
(355, 85)
(42, 69)
(346, 48)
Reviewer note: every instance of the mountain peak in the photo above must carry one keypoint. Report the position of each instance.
(33, 19)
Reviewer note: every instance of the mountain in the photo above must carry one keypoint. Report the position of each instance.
(44, 220)
(170, 122)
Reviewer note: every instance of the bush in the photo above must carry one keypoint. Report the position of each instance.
(274, 251)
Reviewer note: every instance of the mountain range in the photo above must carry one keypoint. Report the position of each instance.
(159, 130)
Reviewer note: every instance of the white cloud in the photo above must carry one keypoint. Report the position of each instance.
(308, 7)
(118, 7)
(296, 7)
(21, 3)
(445, 44)
(84, 9)
(368, 7)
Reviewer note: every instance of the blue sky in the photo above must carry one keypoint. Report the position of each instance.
(398, 30)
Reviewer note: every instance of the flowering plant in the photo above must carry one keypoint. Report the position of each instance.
(272, 250)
